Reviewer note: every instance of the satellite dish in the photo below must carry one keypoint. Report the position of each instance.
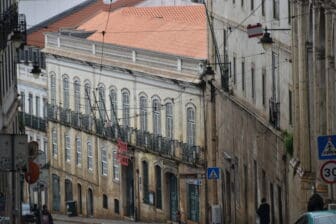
(32, 150)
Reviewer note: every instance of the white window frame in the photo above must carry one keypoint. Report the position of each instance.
(276, 9)
(143, 113)
(169, 121)
(156, 116)
(191, 126)
(77, 95)
(37, 106)
(104, 163)
(87, 90)
(113, 105)
(30, 104)
(101, 102)
(66, 103)
(78, 151)
(89, 156)
(116, 166)
(53, 89)
(126, 107)
(67, 146)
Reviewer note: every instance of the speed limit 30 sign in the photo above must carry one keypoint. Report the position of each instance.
(328, 172)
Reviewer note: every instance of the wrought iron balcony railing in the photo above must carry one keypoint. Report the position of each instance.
(12, 23)
(33, 122)
(142, 140)
(65, 116)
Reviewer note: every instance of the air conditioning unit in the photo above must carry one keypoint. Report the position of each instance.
(332, 207)
(216, 214)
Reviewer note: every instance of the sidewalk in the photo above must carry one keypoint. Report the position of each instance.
(79, 219)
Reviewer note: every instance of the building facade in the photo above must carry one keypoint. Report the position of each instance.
(314, 69)
(105, 95)
(12, 36)
(253, 94)
(32, 89)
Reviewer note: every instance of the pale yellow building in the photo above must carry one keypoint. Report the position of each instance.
(136, 77)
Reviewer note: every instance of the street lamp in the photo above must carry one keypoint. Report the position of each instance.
(36, 71)
(266, 40)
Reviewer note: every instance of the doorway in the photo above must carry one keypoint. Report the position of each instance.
(172, 195)
(129, 188)
(90, 203)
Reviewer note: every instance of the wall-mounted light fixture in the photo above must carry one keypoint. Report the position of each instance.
(266, 40)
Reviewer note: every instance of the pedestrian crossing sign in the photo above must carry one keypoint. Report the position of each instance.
(327, 147)
(213, 173)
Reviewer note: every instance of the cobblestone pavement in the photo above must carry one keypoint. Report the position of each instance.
(58, 219)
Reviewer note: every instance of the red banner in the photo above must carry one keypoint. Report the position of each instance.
(122, 146)
(122, 150)
(123, 160)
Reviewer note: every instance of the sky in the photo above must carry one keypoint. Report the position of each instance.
(37, 11)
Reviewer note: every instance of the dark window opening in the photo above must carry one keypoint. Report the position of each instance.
(116, 206)
(105, 201)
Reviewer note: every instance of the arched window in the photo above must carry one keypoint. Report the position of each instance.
(54, 142)
(158, 187)
(90, 207)
(114, 106)
(104, 161)
(65, 93)
(87, 98)
(191, 126)
(143, 113)
(101, 102)
(125, 108)
(145, 182)
(53, 89)
(77, 95)
(78, 151)
(89, 156)
(156, 117)
(169, 120)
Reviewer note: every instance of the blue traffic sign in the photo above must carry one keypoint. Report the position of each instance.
(213, 173)
(326, 147)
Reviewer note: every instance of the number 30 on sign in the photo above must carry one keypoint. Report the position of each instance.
(328, 172)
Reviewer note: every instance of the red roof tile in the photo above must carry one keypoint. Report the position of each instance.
(178, 30)
(36, 38)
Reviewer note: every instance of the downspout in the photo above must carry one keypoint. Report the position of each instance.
(203, 86)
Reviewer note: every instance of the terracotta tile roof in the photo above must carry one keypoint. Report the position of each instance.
(74, 19)
(178, 30)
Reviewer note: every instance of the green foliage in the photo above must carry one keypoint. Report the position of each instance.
(288, 140)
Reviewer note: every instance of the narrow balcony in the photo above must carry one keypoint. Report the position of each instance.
(34, 122)
(138, 139)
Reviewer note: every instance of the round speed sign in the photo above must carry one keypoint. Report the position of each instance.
(328, 172)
